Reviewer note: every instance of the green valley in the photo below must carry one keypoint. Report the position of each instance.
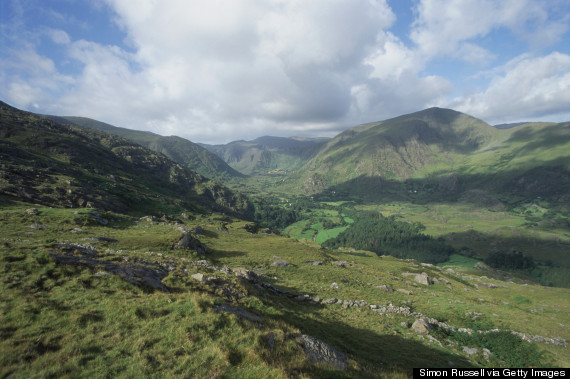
(429, 240)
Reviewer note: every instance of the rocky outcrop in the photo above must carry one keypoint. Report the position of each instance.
(187, 241)
(421, 326)
(133, 273)
(319, 352)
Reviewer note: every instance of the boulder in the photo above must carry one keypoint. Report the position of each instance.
(423, 278)
(470, 350)
(187, 241)
(199, 277)
(319, 352)
(421, 326)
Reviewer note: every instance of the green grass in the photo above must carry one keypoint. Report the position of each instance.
(62, 320)
(460, 260)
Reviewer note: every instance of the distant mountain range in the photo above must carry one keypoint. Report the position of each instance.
(50, 163)
(267, 153)
(434, 154)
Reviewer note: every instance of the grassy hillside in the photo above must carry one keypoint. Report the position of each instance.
(62, 165)
(178, 149)
(440, 154)
(82, 298)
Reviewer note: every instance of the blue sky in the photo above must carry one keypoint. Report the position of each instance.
(220, 70)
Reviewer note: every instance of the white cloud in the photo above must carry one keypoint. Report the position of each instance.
(215, 71)
(59, 36)
(526, 88)
(449, 27)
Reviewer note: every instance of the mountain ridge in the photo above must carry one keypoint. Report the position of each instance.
(57, 164)
(179, 149)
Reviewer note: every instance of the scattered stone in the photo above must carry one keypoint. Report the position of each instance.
(199, 277)
(341, 263)
(332, 300)
(281, 263)
(470, 350)
(241, 272)
(422, 278)
(385, 288)
(319, 352)
(76, 230)
(32, 211)
(421, 326)
(405, 324)
(149, 219)
(443, 280)
(335, 286)
(404, 291)
(487, 285)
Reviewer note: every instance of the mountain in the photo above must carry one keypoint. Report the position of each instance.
(265, 154)
(440, 152)
(180, 150)
(49, 163)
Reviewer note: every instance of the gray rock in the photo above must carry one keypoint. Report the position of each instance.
(32, 211)
(407, 292)
(199, 277)
(470, 350)
(385, 288)
(335, 286)
(341, 263)
(187, 241)
(421, 326)
(329, 301)
(241, 272)
(405, 324)
(281, 263)
(319, 352)
(487, 285)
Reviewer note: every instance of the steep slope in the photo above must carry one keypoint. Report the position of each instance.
(267, 153)
(63, 165)
(180, 150)
(440, 152)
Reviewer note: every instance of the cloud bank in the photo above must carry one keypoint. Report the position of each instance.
(215, 71)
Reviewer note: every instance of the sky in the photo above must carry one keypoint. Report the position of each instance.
(215, 71)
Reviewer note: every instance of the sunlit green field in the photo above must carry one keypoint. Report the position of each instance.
(61, 320)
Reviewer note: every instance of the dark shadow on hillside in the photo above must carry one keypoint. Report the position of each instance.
(215, 255)
(542, 250)
(393, 352)
(550, 181)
